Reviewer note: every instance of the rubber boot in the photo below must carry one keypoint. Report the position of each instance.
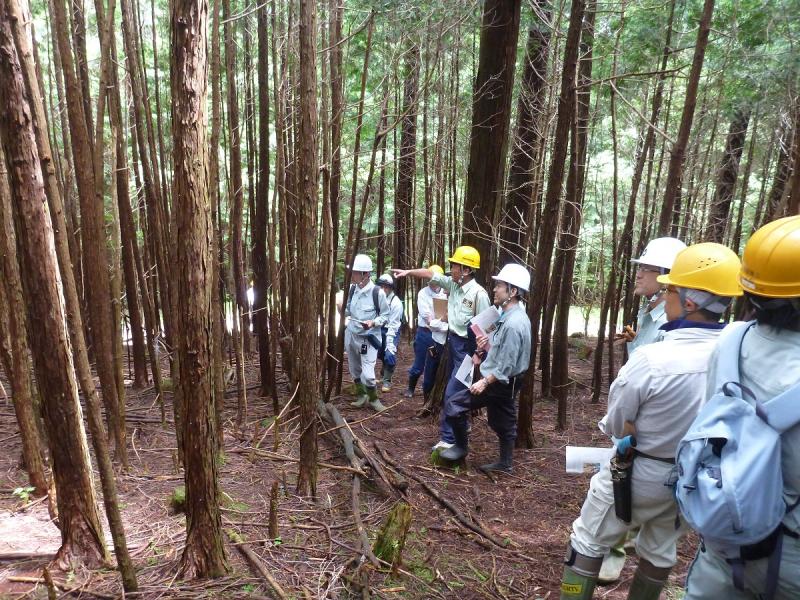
(580, 575)
(648, 581)
(506, 458)
(374, 403)
(459, 450)
(387, 378)
(412, 383)
(361, 396)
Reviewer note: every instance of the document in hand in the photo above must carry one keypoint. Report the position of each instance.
(440, 309)
(485, 322)
(466, 371)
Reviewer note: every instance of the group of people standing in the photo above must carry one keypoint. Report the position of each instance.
(672, 372)
(502, 356)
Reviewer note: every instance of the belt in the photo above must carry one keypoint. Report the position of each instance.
(670, 461)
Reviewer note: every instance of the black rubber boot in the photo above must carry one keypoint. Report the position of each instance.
(412, 383)
(459, 450)
(506, 458)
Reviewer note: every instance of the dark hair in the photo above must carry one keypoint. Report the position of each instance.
(777, 312)
(711, 316)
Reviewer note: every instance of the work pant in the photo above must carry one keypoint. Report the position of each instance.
(427, 354)
(711, 577)
(361, 365)
(457, 348)
(597, 528)
(498, 398)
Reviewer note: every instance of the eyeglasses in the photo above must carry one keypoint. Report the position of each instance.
(648, 269)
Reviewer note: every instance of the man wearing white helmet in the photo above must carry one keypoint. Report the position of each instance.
(368, 311)
(390, 331)
(656, 260)
(506, 357)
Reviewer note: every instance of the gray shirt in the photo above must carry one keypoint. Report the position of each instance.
(362, 308)
(510, 351)
(648, 324)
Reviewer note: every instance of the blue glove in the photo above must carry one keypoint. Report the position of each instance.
(388, 359)
(626, 445)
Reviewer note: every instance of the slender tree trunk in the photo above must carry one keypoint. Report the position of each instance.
(14, 347)
(305, 329)
(719, 214)
(406, 168)
(571, 221)
(678, 151)
(204, 554)
(81, 534)
(72, 307)
(515, 224)
(491, 121)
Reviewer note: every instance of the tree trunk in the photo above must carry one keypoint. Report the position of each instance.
(305, 329)
(678, 151)
(719, 214)
(81, 534)
(571, 222)
(491, 118)
(204, 554)
(14, 347)
(95, 263)
(515, 225)
(406, 169)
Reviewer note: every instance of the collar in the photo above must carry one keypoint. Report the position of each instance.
(685, 324)
(469, 285)
(506, 312)
(657, 311)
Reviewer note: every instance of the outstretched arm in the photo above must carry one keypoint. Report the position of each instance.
(418, 273)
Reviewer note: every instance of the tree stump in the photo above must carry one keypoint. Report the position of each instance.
(392, 536)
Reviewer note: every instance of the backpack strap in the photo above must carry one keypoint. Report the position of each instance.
(783, 411)
(730, 349)
(350, 294)
(376, 300)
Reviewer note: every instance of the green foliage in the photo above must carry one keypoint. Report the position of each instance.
(24, 493)
(177, 500)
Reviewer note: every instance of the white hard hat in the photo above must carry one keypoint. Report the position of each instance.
(660, 252)
(515, 275)
(386, 279)
(362, 263)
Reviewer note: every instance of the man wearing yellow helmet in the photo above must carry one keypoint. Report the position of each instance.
(655, 398)
(429, 339)
(769, 365)
(467, 298)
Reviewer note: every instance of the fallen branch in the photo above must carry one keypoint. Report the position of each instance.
(468, 523)
(366, 547)
(257, 567)
(62, 586)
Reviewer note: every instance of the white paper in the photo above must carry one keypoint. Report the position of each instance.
(486, 319)
(578, 457)
(465, 371)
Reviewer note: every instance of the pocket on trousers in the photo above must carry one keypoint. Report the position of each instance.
(595, 510)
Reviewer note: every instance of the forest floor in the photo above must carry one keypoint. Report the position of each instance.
(316, 554)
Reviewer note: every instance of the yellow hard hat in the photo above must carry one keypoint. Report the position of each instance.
(436, 269)
(467, 256)
(709, 267)
(771, 260)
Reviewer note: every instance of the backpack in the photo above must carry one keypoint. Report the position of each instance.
(375, 300)
(730, 481)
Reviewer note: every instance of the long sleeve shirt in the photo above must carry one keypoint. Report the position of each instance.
(769, 364)
(659, 390)
(425, 316)
(393, 322)
(361, 307)
(648, 327)
(463, 303)
(510, 351)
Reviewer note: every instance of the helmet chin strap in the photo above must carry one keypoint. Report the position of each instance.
(364, 279)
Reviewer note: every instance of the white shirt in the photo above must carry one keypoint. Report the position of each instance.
(394, 321)
(425, 313)
(769, 365)
(659, 390)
